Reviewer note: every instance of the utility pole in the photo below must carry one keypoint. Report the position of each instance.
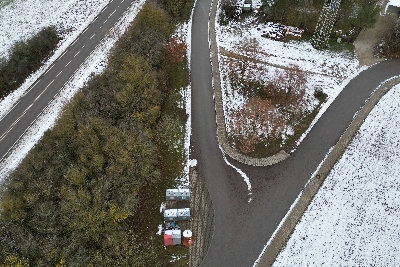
(325, 23)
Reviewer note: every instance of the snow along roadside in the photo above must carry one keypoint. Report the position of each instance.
(12, 99)
(311, 189)
(353, 219)
(95, 63)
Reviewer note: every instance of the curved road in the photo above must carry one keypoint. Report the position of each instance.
(242, 228)
(16, 121)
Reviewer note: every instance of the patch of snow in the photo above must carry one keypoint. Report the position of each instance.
(162, 207)
(184, 31)
(95, 63)
(22, 19)
(326, 70)
(159, 229)
(244, 175)
(193, 162)
(354, 218)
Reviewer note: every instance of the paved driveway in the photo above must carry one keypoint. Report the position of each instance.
(242, 228)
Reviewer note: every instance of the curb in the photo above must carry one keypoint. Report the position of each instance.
(278, 242)
(220, 117)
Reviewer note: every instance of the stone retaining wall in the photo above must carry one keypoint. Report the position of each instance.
(220, 117)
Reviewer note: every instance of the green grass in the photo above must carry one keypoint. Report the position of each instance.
(172, 155)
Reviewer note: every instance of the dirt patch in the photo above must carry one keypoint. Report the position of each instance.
(368, 38)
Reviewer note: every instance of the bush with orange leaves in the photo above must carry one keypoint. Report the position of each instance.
(176, 50)
(266, 116)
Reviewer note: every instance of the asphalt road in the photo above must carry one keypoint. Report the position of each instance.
(242, 228)
(23, 114)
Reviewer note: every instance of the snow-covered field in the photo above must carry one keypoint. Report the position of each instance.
(95, 63)
(22, 19)
(354, 219)
(329, 71)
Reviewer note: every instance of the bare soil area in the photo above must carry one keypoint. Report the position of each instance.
(368, 38)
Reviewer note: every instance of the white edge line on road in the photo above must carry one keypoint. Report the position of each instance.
(49, 84)
(112, 13)
(48, 70)
(11, 127)
(74, 42)
(32, 86)
(38, 96)
(37, 117)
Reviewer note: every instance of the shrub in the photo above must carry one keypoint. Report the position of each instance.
(257, 121)
(79, 197)
(25, 58)
(389, 46)
(231, 8)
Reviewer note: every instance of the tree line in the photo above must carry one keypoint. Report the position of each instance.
(80, 196)
(25, 58)
(389, 45)
(353, 15)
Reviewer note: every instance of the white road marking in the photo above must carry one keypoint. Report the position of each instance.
(58, 73)
(111, 14)
(68, 63)
(9, 129)
(92, 36)
(83, 46)
(105, 21)
(244, 176)
(74, 42)
(49, 69)
(35, 83)
(48, 85)
(77, 53)
(38, 97)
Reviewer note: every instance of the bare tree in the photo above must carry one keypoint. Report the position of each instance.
(257, 121)
(287, 89)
